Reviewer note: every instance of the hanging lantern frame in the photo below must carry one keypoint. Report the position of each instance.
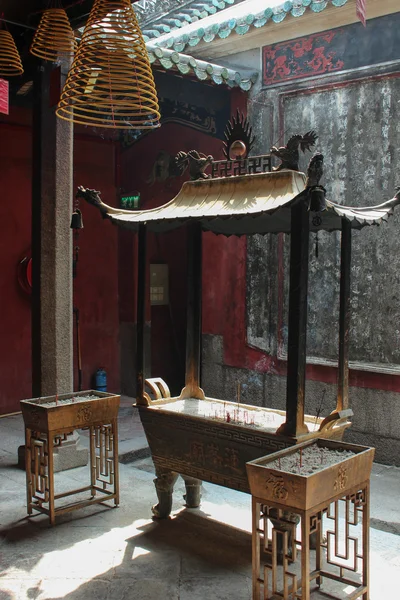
(10, 60)
(54, 36)
(111, 83)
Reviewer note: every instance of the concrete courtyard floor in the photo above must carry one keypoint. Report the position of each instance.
(122, 554)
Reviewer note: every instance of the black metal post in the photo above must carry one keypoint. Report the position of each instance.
(296, 364)
(194, 311)
(141, 312)
(344, 317)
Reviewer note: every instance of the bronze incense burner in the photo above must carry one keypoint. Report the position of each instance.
(329, 497)
(48, 421)
(243, 196)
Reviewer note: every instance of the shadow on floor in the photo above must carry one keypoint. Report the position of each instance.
(188, 556)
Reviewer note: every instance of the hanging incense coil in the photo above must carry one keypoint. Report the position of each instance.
(54, 36)
(111, 83)
(10, 60)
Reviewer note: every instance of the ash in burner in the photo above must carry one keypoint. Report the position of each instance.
(226, 412)
(70, 400)
(309, 460)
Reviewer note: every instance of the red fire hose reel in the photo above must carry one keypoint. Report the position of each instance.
(24, 273)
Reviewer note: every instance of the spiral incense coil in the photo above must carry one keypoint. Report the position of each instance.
(54, 36)
(10, 60)
(110, 83)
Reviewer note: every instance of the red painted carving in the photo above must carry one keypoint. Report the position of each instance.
(322, 63)
(281, 68)
(303, 57)
(301, 47)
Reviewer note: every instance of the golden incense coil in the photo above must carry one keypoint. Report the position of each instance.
(10, 60)
(54, 36)
(111, 83)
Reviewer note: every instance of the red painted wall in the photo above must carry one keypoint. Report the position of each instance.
(168, 323)
(96, 284)
(105, 286)
(96, 291)
(15, 239)
(224, 259)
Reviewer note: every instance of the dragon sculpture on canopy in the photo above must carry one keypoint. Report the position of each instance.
(289, 154)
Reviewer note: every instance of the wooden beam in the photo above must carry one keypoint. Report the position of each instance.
(297, 347)
(344, 317)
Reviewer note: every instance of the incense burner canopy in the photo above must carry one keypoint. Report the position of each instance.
(243, 205)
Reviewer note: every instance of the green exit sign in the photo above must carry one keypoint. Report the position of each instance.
(130, 201)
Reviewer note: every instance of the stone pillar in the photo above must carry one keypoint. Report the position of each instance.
(52, 287)
(52, 310)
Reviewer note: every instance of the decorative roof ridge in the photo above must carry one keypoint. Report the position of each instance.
(203, 70)
(180, 16)
(237, 19)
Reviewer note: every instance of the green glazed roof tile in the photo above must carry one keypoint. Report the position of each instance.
(217, 79)
(243, 23)
(166, 63)
(184, 69)
(184, 13)
(208, 37)
(320, 6)
(224, 33)
(186, 64)
(242, 28)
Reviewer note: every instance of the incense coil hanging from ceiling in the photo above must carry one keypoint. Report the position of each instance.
(10, 60)
(111, 83)
(54, 36)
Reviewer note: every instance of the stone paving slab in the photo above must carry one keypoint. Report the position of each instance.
(122, 554)
(114, 554)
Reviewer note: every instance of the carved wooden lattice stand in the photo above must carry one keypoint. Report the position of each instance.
(47, 425)
(333, 505)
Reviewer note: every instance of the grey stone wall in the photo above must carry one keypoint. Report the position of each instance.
(376, 412)
(358, 130)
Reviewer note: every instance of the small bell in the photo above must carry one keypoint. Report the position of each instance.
(76, 220)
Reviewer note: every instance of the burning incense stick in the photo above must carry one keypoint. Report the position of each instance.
(56, 399)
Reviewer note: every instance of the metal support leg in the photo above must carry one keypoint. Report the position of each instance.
(50, 462)
(193, 492)
(288, 524)
(164, 482)
(256, 548)
(114, 426)
(92, 462)
(28, 470)
(365, 525)
(305, 557)
(318, 551)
